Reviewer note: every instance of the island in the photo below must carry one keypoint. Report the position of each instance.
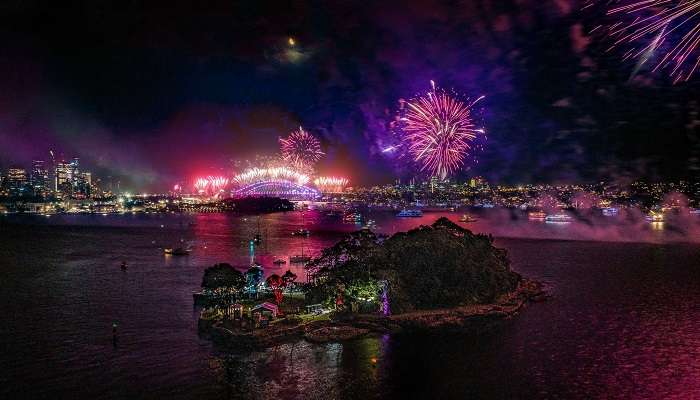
(440, 276)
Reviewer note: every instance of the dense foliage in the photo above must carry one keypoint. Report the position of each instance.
(442, 265)
(224, 284)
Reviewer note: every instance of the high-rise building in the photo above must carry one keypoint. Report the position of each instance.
(39, 179)
(16, 181)
(64, 179)
(83, 184)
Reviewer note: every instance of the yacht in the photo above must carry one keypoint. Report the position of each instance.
(558, 218)
(467, 218)
(536, 216)
(410, 214)
(301, 232)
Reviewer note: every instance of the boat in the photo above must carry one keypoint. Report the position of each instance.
(352, 218)
(257, 239)
(467, 218)
(536, 216)
(654, 217)
(558, 218)
(279, 261)
(371, 224)
(410, 214)
(694, 211)
(299, 258)
(179, 251)
(610, 211)
(301, 232)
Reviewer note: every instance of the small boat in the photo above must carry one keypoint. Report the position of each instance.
(352, 218)
(654, 217)
(610, 211)
(559, 218)
(371, 224)
(299, 258)
(179, 251)
(410, 214)
(279, 261)
(301, 232)
(467, 218)
(123, 266)
(536, 216)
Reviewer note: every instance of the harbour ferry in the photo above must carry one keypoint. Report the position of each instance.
(536, 216)
(467, 218)
(559, 218)
(410, 214)
(654, 217)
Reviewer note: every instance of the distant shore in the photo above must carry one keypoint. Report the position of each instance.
(352, 326)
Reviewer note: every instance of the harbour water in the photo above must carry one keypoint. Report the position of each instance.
(623, 320)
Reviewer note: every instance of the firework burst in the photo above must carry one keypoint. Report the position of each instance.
(437, 131)
(255, 175)
(669, 27)
(300, 149)
(329, 184)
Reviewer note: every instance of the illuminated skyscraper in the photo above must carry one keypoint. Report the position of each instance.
(39, 178)
(64, 179)
(16, 181)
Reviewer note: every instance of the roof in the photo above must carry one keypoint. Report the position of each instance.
(266, 305)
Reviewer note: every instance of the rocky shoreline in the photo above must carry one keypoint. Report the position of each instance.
(354, 326)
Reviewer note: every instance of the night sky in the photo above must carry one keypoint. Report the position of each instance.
(155, 93)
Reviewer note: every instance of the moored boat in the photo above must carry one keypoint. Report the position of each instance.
(536, 216)
(467, 218)
(179, 251)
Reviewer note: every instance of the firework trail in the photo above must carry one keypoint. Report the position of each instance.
(217, 183)
(255, 175)
(329, 184)
(438, 130)
(671, 27)
(301, 149)
(201, 185)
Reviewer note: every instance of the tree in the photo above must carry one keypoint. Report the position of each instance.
(223, 276)
(289, 277)
(225, 283)
(276, 282)
(442, 265)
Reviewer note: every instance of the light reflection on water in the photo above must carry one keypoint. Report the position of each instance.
(623, 321)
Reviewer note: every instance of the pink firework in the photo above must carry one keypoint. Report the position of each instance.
(438, 131)
(645, 27)
(330, 184)
(201, 185)
(217, 183)
(301, 149)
